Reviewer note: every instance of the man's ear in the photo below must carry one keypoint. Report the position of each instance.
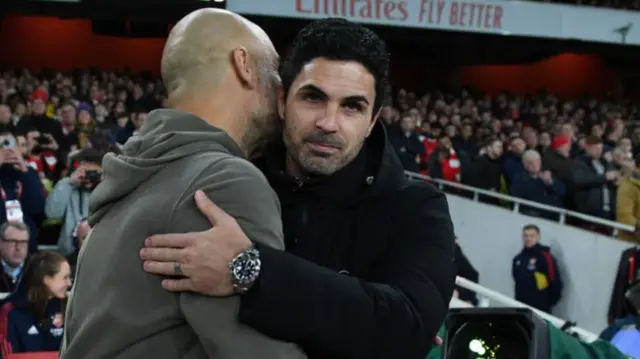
(374, 119)
(281, 103)
(244, 69)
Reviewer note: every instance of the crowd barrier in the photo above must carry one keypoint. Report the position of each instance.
(563, 214)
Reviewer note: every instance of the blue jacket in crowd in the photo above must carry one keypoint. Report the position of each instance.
(534, 189)
(536, 278)
(23, 331)
(512, 166)
(28, 190)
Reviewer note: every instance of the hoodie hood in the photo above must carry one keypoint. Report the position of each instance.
(167, 136)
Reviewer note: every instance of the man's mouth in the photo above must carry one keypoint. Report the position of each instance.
(322, 147)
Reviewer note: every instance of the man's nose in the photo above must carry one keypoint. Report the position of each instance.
(328, 121)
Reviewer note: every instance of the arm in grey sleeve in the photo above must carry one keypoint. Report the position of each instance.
(241, 190)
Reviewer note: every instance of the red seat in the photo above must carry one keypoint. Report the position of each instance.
(37, 355)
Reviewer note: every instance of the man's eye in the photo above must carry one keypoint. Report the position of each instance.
(311, 97)
(356, 107)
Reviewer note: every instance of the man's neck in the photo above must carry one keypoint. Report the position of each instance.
(11, 266)
(221, 117)
(292, 168)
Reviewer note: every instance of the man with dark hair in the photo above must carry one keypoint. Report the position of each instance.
(595, 181)
(137, 117)
(535, 272)
(368, 271)
(69, 199)
(406, 143)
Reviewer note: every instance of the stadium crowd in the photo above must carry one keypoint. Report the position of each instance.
(568, 153)
(571, 154)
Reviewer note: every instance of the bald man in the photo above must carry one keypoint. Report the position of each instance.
(220, 71)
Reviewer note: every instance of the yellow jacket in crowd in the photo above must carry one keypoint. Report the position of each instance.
(628, 207)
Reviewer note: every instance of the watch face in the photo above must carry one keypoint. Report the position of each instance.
(246, 267)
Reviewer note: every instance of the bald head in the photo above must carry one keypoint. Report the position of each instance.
(202, 47)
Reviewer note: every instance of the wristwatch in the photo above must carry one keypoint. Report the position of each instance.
(245, 269)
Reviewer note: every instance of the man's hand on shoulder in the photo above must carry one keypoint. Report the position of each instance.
(201, 258)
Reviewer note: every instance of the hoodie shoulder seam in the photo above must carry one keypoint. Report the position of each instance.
(224, 157)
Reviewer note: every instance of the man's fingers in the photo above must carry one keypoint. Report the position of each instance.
(176, 240)
(213, 213)
(437, 340)
(161, 254)
(178, 285)
(162, 268)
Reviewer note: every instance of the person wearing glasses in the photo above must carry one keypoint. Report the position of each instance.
(14, 248)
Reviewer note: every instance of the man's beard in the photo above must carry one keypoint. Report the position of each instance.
(315, 166)
(264, 127)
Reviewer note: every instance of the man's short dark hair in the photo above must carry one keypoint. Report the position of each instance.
(340, 40)
(593, 140)
(531, 226)
(138, 109)
(90, 155)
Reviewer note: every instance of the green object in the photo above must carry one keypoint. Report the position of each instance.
(562, 346)
(566, 346)
(436, 351)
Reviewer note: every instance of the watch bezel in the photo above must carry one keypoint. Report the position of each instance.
(249, 258)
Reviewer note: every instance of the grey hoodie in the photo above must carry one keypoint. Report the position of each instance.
(116, 310)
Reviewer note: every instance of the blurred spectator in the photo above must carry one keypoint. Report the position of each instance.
(465, 142)
(545, 143)
(530, 136)
(445, 163)
(14, 247)
(104, 123)
(405, 142)
(595, 181)
(85, 125)
(137, 119)
(80, 232)
(42, 155)
(20, 187)
(33, 317)
(6, 119)
(486, 170)
(68, 115)
(628, 205)
(513, 158)
(69, 200)
(535, 272)
(621, 161)
(537, 185)
(38, 119)
(558, 160)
